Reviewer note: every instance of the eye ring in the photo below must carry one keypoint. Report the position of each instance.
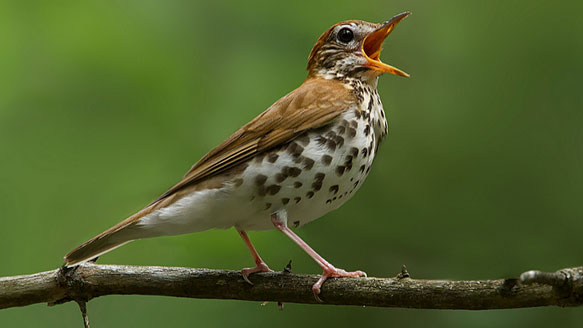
(345, 35)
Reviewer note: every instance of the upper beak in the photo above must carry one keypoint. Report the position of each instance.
(372, 46)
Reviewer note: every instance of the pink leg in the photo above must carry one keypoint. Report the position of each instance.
(329, 270)
(260, 265)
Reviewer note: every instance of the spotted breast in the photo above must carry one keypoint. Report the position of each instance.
(319, 170)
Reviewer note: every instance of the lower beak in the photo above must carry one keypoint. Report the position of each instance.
(372, 46)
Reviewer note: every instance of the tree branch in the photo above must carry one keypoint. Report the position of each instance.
(81, 284)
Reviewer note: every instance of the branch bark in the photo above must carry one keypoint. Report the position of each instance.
(81, 284)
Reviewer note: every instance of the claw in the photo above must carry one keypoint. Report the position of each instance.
(316, 291)
(261, 267)
(333, 272)
(246, 276)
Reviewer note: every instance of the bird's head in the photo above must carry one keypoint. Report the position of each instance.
(352, 49)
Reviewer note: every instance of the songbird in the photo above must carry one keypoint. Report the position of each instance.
(303, 157)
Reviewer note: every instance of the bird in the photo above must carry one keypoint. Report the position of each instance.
(300, 159)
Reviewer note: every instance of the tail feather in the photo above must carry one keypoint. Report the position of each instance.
(112, 238)
(101, 244)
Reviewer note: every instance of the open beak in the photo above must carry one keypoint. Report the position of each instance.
(373, 43)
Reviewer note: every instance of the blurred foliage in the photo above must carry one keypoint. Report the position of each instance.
(104, 105)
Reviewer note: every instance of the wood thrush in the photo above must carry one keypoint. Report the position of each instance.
(303, 157)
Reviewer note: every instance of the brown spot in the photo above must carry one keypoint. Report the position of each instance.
(331, 144)
(356, 183)
(260, 179)
(297, 199)
(382, 113)
(366, 130)
(310, 194)
(348, 163)
(341, 129)
(294, 149)
(296, 224)
(344, 123)
(334, 198)
(368, 169)
(330, 134)
(321, 140)
(326, 159)
(354, 124)
(351, 132)
(339, 197)
(364, 152)
(238, 182)
(267, 206)
(297, 184)
(328, 201)
(357, 112)
(319, 177)
(280, 177)
(272, 157)
(354, 152)
(303, 139)
(308, 163)
(340, 170)
(339, 141)
(370, 103)
(259, 157)
(261, 191)
(284, 201)
(273, 189)
(291, 171)
(334, 189)
(362, 168)
(317, 185)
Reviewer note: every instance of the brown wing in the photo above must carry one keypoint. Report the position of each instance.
(315, 103)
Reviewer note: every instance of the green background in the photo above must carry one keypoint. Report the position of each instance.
(104, 105)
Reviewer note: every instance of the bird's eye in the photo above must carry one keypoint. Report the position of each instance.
(345, 35)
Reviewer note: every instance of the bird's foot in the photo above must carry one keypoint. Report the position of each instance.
(261, 267)
(330, 271)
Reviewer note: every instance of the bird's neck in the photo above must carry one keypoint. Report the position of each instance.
(364, 78)
(364, 87)
(369, 104)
